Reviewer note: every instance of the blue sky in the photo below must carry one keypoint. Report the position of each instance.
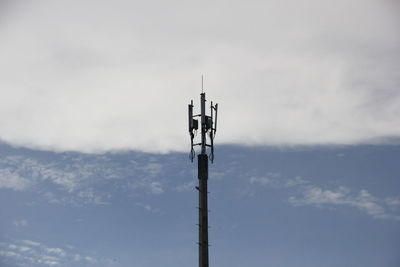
(322, 206)
(94, 165)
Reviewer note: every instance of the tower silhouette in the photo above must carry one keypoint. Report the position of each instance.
(208, 127)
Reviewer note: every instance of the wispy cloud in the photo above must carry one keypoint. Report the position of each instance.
(343, 196)
(260, 180)
(21, 223)
(90, 259)
(149, 208)
(150, 186)
(9, 179)
(57, 251)
(32, 253)
(89, 196)
(270, 178)
(296, 181)
(80, 178)
(393, 202)
(49, 260)
(31, 243)
(10, 254)
(304, 193)
(156, 187)
(24, 248)
(184, 187)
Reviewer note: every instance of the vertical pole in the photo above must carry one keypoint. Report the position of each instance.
(203, 123)
(203, 202)
(203, 210)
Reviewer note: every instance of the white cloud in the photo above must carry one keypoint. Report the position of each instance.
(156, 188)
(29, 253)
(31, 243)
(309, 194)
(21, 223)
(90, 196)
(270, 178)
(49, 260)
(20, 248)
(306, 193)
(15, 170)
(316, 196)
(260, 180)
(149, 208)
(296, 181)
(153, 168)
(81, 179)
(119, 76)
(188, 186)
(57, 251)
(77, 257)
(90, 259)
(393, 202)
(12, 246)
(70, 246)
(24, 248)
(11, 180)
(147, 184)
(10, 254)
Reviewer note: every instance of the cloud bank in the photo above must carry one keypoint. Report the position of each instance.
(94, 76)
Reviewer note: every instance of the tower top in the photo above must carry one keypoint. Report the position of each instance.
(208, 125)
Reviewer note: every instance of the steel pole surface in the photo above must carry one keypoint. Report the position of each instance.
(203, 209)
(203, 177)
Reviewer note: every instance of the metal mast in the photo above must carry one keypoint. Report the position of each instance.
(207, 127)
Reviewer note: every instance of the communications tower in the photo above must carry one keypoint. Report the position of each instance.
(208, 129)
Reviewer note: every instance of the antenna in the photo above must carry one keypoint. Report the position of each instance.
(202, 81)
(213, 130)
(207, 126)
(193, 126)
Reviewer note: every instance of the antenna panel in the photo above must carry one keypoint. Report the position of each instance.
(216, 112)
(190, 113)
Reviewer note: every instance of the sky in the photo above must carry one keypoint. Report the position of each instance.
(94, 148)
(268, 207)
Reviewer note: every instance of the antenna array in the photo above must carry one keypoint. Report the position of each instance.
(208, 127)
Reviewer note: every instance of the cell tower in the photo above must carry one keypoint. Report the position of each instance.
(207, 128)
